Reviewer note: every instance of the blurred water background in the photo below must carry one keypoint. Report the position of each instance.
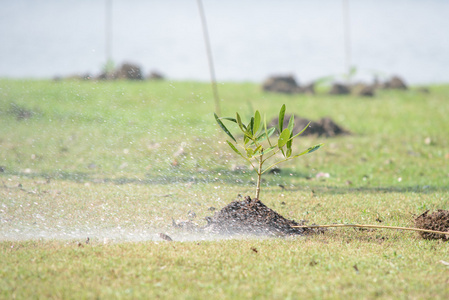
(251, 39)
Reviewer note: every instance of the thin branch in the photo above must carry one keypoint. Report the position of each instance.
(372, 226)
(271, 155)
(259, 177)
(284, 160)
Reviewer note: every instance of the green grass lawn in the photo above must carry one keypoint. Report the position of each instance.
(85, 159)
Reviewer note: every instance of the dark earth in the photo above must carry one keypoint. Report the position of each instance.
(323, 127)
(251, 216)
(437, 220)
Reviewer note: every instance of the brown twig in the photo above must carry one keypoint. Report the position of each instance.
(372, 226)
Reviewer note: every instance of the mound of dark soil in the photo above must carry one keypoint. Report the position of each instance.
(251, 216)
(395, 82)
(129, 71)
(339, 89)
(286, 85)
(281, 84)
(364, 90)
(438, 220)
(323, 127)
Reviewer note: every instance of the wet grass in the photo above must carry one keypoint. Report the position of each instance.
(97, 159)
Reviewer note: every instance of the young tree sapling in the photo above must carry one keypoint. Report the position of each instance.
(257, 146)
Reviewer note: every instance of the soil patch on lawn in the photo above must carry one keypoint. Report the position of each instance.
(251, 216)
(323, 127)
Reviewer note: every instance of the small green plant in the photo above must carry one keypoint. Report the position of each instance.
(256, 145)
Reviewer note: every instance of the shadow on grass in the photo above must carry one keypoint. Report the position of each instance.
(288, 182)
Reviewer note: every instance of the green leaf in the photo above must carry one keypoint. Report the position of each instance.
(256, 122)
(291, 123)
(284, 137)
(250, 127)
(281, 118)
(289, 152)
(282, 151)
(314, 148)
(249, 152)
(263, 136)
(268, 150)
(239, 122)
(247, 131)
(257, 150)
(229, 119)
(309, 150)
(234, 148)
(302, 130)
(224, 127)
(265, 129)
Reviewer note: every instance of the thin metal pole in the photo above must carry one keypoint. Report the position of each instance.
(347, 36)
(210, 58)
(108, 29)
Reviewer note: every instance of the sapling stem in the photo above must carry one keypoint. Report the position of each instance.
(259, 176)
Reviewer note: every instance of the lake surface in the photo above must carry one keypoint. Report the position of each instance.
(250, 39)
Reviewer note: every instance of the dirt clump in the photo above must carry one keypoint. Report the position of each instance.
(286, 85)
(437, 220)
(129, 71)
(323, 127)
(395, 82)
(281, 84)
(155, 75)
(339, 89)
(251, 216)
(363, 90)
